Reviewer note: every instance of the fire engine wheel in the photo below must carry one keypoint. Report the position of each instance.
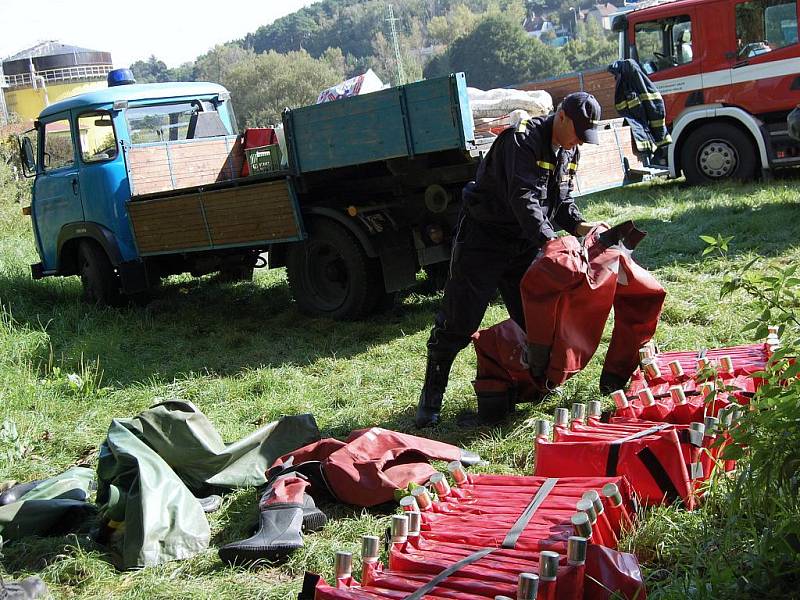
(718, 151)
(98, 278)
(331, 276)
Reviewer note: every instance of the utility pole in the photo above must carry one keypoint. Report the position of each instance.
(401, 76)
(3, 107)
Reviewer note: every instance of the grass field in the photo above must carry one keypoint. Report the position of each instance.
(244, 355)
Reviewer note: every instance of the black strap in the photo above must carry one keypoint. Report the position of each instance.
(428, 587)
(522, 522)
(613, 450)
(612, 460)
(509, 542)
(310, 581)
(659, 474)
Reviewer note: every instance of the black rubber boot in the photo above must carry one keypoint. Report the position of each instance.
(313, 518)
(15, 492)
(286, 510)
(611, 382)
(437, 373)
(27, 589)
(278, 536)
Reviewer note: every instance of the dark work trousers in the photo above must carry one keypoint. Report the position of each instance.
(484, 259)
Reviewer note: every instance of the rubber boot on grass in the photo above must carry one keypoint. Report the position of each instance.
(437, 373)
(284, 510)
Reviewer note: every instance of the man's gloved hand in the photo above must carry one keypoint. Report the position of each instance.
(585, 227)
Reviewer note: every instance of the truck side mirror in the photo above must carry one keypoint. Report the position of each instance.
(26, 157)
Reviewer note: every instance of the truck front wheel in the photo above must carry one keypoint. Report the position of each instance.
(98, 278)
(718, 151)
(330, 275)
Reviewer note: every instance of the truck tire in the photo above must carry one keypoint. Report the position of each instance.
(718, 152)
(330, 275)
(100, 282)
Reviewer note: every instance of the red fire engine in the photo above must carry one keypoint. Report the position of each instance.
(729, 73)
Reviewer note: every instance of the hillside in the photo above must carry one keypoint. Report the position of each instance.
(302, 53)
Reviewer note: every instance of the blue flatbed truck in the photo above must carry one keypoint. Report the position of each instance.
(137, 182)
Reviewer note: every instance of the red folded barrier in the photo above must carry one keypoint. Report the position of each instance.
(502, 361)
(486, 492)
(475, 554)
(652, 463)
(744, 360)
(612, 574)
(568, 293)
(690, 403)
(691, 441)
(505, 570)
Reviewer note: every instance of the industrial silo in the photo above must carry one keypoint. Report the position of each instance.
(51, 71)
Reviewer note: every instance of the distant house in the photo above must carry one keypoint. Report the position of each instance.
(604, 14)
(543, 27)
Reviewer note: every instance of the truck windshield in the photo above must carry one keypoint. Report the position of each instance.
(765, 25)
(175, 121)
(665, 43)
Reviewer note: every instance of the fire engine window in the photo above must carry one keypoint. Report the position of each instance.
(97, 139)
(664, 44)
(58, 149)
(765, 25)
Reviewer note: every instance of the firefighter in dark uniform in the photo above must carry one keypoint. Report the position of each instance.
(522, 194)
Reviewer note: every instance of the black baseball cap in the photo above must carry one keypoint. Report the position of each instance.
(584, 111)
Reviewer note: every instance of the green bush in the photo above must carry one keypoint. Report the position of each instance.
(745, 541)
(13, 186)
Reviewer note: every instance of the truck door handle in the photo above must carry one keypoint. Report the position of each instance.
(744, 63)
(75, 185)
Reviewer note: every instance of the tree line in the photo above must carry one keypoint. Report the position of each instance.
(288, 62)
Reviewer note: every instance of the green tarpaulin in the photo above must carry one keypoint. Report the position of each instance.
(55, 505)
(151, 465)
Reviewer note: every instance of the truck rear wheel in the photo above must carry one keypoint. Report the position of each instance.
(716, 152)
(330, 275)
(99, 280)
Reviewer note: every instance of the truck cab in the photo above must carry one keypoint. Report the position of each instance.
(82, 186)
(729, 73)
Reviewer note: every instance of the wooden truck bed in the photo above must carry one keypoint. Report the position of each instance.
(188, 196)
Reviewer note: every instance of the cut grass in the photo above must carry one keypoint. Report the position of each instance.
(244, 355)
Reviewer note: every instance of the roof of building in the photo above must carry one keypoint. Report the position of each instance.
(48, 48)
(606, 9)
(147, 91)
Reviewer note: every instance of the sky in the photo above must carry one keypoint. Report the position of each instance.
(175, 31)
